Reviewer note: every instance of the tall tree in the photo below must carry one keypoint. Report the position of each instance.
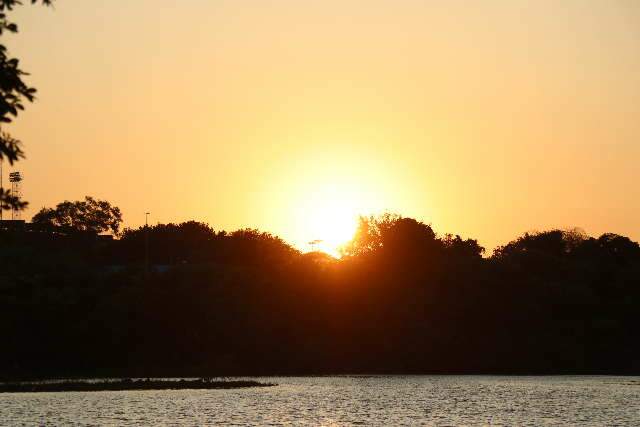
(13, 94)
(88, 215)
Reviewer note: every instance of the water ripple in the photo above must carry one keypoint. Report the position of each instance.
(332, 401)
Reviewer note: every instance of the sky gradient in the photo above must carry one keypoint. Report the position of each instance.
(486, 119)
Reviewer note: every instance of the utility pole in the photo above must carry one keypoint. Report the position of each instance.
(146, 244)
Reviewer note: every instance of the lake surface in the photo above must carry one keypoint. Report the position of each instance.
(376, 400)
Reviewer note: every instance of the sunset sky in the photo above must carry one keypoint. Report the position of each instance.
(483, 118)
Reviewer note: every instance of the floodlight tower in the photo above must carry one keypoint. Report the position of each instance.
(16, 191)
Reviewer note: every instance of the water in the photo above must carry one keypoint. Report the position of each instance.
(378, 400)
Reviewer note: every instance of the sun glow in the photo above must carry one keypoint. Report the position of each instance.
(319, 193)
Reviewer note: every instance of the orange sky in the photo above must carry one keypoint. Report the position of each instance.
(485, 119)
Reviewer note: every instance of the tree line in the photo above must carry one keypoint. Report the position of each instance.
(402, 299)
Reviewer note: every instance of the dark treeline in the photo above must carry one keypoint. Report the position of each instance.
(401, 300)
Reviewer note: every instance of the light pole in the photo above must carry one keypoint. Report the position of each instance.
(146, 244)
(1, 188)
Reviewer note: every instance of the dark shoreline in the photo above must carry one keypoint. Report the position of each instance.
(128, 384)
(237, 377)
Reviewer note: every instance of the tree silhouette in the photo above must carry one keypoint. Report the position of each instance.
(370, 233)
(88, 215)
(13, 94)
(400, 237)
(194, 242)
(403, 300)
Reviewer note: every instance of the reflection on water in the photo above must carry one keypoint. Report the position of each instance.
(431, 400)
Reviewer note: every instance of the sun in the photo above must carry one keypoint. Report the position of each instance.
(332, 227)
(330, 218)
(319, 193)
